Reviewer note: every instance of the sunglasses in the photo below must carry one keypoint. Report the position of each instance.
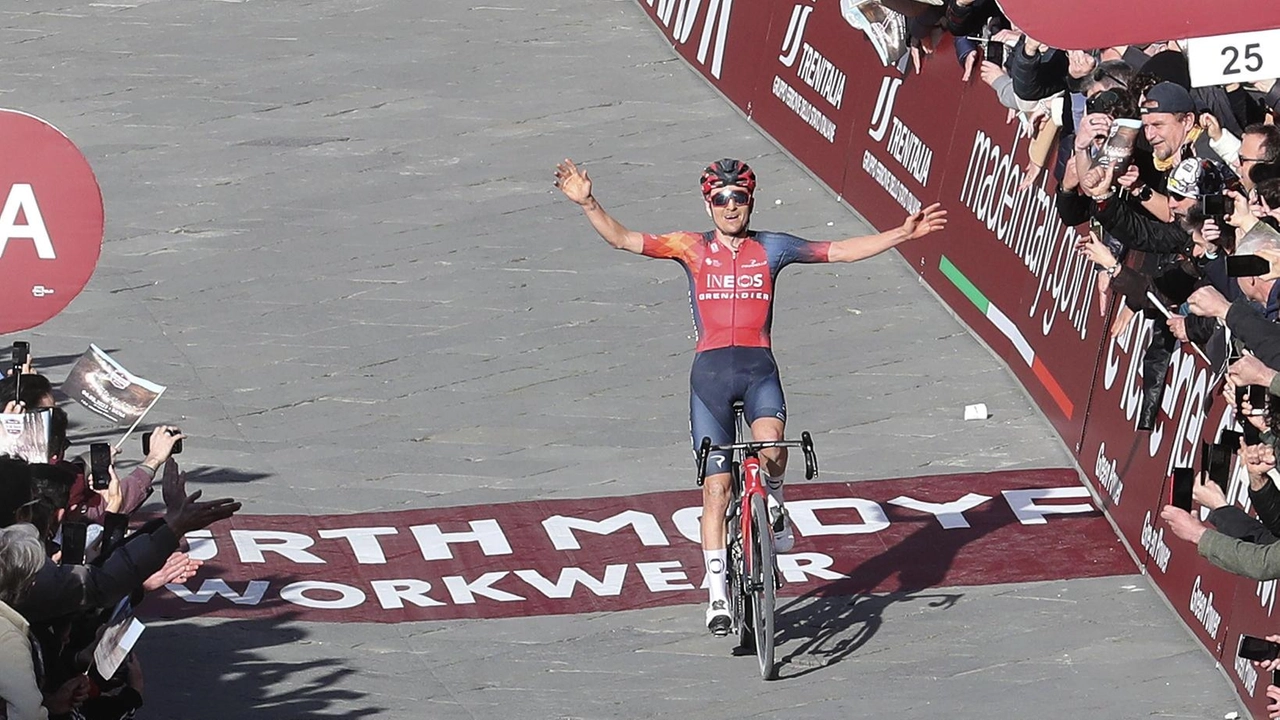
(1099, 75)
(722, 198)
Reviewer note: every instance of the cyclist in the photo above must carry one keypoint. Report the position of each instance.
(731, 273)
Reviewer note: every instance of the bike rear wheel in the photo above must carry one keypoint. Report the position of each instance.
(763, 586)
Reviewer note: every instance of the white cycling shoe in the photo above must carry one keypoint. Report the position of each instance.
(783, 538)
(719, 621)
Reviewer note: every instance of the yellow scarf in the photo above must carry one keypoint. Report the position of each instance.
(1167, 165)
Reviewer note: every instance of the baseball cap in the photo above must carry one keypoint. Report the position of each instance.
(1194, 178)
(1167, 97)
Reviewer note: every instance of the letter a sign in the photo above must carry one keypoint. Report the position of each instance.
(50, 221)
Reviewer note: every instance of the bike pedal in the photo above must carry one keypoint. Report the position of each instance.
(720, 625)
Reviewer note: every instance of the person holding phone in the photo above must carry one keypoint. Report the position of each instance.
(134, 487)
(1269, 663)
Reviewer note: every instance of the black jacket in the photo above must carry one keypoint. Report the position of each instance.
(1259, 334)
(1140, 231)
(1040, 76)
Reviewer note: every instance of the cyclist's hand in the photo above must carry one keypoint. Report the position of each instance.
(930, 219)
(573, 182)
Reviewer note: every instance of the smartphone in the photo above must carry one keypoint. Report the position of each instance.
(1247, 266)
(1183, 479)
(146, 445)
(100, 466)
(21, 353)
(1215, 460)
(73, 539)
(1259, 398)
(1252, 435)
(1230, 439)
(994, 52)
(1256, 648)
(1218, 206)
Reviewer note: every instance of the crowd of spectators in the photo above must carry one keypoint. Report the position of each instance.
(1182, 232)
(73, 557)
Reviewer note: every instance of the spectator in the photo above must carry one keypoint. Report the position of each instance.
(1260, 144)
(21, 555)
(34, 391)
(15, 489)
(59, 590)
(1169, 122)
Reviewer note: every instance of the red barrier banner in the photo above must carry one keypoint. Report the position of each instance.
(51, 221)
(1119, 459)
(720, 38)
(802, 93)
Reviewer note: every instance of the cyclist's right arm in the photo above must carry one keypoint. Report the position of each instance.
(576, 186)
(613, 232)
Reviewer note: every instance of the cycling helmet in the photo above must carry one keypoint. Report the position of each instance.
(722, 173)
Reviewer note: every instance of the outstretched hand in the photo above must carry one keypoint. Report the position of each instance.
(573, 182)
(927, 220)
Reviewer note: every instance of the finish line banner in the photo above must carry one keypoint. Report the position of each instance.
(623, 553)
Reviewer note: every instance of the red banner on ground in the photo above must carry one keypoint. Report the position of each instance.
(623, 553)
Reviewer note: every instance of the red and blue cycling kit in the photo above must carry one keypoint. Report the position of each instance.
(731, 293)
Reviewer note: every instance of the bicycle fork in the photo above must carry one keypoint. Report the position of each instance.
(753, 486)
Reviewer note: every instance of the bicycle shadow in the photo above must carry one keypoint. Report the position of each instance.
(831, 622)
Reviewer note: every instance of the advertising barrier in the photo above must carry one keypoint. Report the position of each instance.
(889, 142)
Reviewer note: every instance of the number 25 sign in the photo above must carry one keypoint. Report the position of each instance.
(1235, 58)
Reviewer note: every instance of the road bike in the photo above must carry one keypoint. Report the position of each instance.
(752, 576)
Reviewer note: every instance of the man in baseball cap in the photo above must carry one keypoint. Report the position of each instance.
(1169, 121)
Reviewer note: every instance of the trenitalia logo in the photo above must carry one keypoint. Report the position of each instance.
(884, 107)
(685, 13)
(795, 34)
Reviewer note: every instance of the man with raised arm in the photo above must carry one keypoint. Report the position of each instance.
(731, 273)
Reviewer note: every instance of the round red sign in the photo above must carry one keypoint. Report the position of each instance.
(51, 221)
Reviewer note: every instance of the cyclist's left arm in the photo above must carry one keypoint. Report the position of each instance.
(916, 226)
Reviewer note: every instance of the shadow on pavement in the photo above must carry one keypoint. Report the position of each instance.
(832, 622)
(261, 668)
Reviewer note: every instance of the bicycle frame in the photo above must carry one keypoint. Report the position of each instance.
(754, 580)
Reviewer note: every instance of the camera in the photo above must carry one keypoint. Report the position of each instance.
(1218, 206)
(146, 443)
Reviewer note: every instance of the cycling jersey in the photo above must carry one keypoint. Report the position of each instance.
(732, 292)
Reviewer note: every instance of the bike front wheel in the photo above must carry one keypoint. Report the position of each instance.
(763, 584)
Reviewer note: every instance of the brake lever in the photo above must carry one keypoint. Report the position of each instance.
(703, 451)
(810, 457)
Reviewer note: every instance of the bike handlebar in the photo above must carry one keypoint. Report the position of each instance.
(752, 448)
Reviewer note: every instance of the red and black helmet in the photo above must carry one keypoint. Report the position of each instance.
(722, 173)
